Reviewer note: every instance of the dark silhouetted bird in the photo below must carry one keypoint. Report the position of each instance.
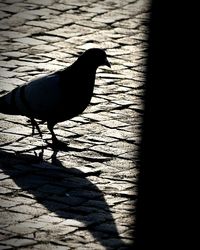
(59, 96)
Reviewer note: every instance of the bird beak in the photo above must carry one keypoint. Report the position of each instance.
(107, 63)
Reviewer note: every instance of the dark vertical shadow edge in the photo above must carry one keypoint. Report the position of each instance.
(164, 208)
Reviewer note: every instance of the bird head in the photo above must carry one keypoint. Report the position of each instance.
(96, 57)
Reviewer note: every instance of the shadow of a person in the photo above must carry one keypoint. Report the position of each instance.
(67, 192)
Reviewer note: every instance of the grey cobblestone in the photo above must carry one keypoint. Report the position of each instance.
(82, 197)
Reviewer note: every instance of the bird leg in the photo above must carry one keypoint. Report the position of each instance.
(50, 128)
(35, 125)
(55, 142)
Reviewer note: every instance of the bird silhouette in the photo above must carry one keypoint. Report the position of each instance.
(56, 97)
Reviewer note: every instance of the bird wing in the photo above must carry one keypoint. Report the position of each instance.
(43, 96)
(39, 98)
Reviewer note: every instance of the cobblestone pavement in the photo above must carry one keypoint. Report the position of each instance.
(82, 197)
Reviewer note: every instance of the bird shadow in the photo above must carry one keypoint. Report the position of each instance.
(65, 191)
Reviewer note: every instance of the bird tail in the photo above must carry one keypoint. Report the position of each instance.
(5, 107)
(7, 104)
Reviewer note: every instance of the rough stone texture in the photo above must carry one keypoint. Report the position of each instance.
(82, 197)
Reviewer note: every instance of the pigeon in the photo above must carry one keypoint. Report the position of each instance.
(58, 96)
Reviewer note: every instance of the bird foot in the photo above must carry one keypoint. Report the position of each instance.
(60, 145)
(56, 144)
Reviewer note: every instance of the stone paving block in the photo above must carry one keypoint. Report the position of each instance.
(26, 16)
(13, 21)
(44, 48)
(29, 30)
(18, 130)
(12, 218)
(5, 190)
(29, 41)
(62, 7)
(60, 230)
(113, 123)
(43, 12)
(47, 246)
(44, 3)
(118, 134)
(92, 156)
(109, 17)
(109, 150)
(79, 236)
(16, 242)
(91, 24)
(9, 183)
(3, 14)
(24, 199)
(6, 73)
(20, 228)
(118, 163)
(13, 8)
(49, 39)
(72, 223)
(43, 24)
(12, 34)
(4, 247)
(27, 209)
(6, 86)
(48, 219)
(54, 55)
(7, 203)
(3, 176)
(76, 2)
(92, 245)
